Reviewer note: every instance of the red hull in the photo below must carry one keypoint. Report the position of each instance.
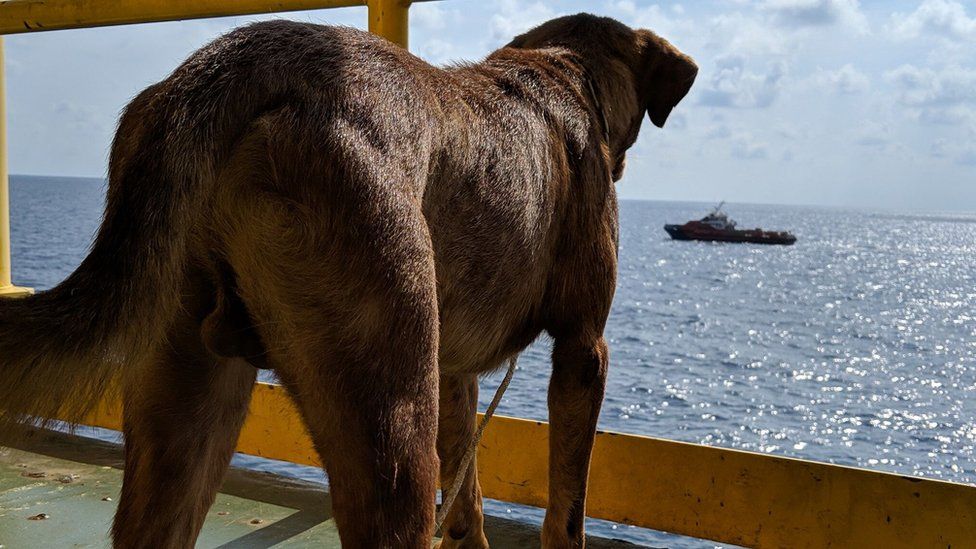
(695, 230)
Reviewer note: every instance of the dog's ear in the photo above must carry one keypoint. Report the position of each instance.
(665, 75)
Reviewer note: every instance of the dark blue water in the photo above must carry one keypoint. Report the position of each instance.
(855, 346)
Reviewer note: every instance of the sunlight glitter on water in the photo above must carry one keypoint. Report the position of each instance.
(856, 345)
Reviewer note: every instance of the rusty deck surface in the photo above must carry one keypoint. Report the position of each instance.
(59, 490)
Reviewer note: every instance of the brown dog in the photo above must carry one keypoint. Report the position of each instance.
(379, 232)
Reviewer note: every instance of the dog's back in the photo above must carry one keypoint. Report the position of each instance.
(490, 149)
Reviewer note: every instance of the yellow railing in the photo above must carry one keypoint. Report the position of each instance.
(388, 18)
(730, 496)
(724, 495)
(6, 284)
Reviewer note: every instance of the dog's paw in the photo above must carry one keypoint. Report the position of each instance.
(470, 541)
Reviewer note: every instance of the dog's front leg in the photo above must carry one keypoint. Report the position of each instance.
(457, 423)
(575, 394)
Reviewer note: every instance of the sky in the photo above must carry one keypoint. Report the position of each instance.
(823, 102)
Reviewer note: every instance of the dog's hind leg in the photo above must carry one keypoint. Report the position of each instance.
(464, 525)
(369, 401)
(324, 231)
(364, 375)
(183, 412)
(377, 443)
(346, 305)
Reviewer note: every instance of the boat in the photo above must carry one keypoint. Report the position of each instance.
(718, 227)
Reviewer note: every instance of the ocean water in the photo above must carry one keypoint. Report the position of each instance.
(856, 346)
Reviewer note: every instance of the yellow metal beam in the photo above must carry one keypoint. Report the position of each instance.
(724, 495)
(7, 289)
(388, 18)
(17, 16)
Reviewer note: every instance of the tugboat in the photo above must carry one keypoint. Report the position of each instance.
(718, 227)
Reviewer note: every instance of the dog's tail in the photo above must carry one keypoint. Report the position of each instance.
(61, 349)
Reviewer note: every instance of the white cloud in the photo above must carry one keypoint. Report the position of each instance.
(790, 133)
(428, 16)
(733, 86)
(746, 146)
(80, 117)
(952, 115)
(627, 7)
(817, 13)
(514, 17)
(431, 24)
(936, 18)
(963, 154)
(437, 51)
(873, 135)
(944, 96)
(967, 157)
(940, 148)
(845, 80)
(719, 131)
(678, 120)
(746, 35)
(651, 17)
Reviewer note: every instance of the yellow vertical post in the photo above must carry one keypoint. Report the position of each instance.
(6, 285)
(389, 19)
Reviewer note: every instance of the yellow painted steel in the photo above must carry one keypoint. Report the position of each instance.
(17, 16)
(730, 496)
(7, 289)
(388, 18)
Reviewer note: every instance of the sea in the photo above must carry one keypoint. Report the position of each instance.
(855, 346)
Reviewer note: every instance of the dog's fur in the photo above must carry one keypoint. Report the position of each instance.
(379, 232)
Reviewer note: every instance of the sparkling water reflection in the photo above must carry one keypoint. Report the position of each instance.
(854, 346)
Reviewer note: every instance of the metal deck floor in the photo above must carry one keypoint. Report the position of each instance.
(75, 483)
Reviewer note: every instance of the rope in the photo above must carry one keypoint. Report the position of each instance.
(462, 471)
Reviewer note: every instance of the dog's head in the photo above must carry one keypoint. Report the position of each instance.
(634, 72)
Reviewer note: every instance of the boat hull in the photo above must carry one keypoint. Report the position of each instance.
(705, 233)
